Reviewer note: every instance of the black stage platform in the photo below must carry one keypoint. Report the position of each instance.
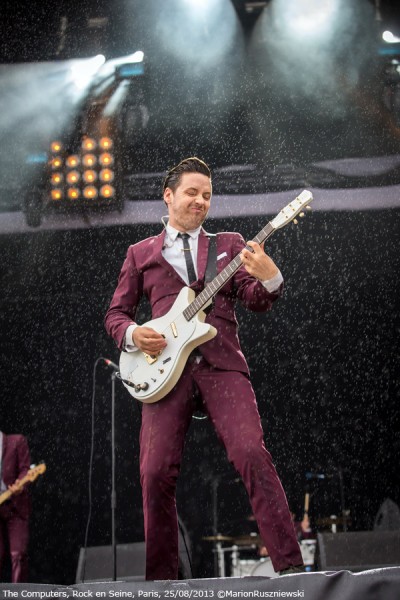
(375, 584)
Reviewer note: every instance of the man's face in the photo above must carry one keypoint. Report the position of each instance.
(189, 204)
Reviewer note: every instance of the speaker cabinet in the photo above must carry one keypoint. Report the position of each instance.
(358, 550)
(96, 563)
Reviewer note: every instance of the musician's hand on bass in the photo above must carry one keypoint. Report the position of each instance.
(148, 340)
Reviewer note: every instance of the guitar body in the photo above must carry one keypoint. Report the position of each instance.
(150, 378)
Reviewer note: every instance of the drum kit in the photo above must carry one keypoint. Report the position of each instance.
(254, 567)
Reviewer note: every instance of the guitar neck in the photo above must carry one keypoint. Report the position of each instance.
(219, 281)
(5, 496)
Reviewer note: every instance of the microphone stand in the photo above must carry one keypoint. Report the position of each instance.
(113, 490)
(219, 558)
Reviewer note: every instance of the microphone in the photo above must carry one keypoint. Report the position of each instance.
(318, 475)
(111, 364)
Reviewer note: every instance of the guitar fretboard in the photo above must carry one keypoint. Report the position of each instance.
(219, 281)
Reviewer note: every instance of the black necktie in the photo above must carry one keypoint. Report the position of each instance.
(188, 257)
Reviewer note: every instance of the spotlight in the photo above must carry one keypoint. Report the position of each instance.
(56, 178)
(90, 191)
(106, 159)
(106, 175)
(105, 143)
(89, 160)
(107, 191)
(73, 193)
(88, 144)
(73, 177)
(56, 162)
(89, 176)
(56, 194)
(72, 161)
(56, 147)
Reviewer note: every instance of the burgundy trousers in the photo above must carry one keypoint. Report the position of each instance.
(228, 399)
(14, 536)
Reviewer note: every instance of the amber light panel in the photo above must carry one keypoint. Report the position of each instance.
(106, 175)
(73, 177)
(106, 143)
(107, 191)
(72, 161)
(73, 193)
(90, 192)
(106, 159)
(88, 145)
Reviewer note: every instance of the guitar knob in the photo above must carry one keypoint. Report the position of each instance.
(301, 215)
(144, 386)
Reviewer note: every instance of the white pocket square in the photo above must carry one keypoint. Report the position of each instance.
(221, 255)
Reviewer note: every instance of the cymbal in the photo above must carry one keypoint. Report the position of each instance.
(248, 540)
(218, 538)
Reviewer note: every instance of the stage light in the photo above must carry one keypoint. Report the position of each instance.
(105, 143)
(55, 147)
(106, 175)
(89, 176)
(89, 160)
(56, 194)
(90, 191)
(106, 159)
(73, 193)
(56, 178)
(73, 177)
(88, 144)
(107, 191)
(389, 38)
(56, 162)
(72, 161)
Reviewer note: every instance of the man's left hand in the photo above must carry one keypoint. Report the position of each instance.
(257, 263)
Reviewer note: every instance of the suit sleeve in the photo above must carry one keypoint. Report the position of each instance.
(250, 292)
(122, 310)
(23, 457)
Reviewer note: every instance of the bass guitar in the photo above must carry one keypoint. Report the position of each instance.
(31, 475)
(148, 378)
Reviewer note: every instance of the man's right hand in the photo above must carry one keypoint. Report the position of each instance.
(148, 340)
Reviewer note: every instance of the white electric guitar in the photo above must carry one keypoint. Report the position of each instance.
(148, 378)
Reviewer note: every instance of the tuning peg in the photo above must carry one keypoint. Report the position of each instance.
(301, 214)
(308, 207)
(295, 221)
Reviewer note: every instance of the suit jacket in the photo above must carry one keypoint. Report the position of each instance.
(145, 272)
(15, 464)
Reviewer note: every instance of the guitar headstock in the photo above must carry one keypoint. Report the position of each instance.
(290, 212)
(34, 472)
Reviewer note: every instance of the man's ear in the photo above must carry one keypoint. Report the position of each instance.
(167, 195)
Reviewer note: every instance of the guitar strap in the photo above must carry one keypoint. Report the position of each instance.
(211, 268)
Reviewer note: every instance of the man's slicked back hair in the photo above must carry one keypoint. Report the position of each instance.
(187, 165)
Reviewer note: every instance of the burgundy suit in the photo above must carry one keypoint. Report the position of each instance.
(14, 513)
(222, 378)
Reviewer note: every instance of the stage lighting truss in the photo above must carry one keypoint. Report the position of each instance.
(85, 176)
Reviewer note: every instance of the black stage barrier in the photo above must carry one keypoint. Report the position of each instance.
(358, 550)
(376, 584)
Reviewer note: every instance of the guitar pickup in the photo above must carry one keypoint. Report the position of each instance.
(174, 330)
(151, 358)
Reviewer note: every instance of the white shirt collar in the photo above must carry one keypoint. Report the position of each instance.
(173, 233)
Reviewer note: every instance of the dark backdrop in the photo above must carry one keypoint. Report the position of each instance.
(324, 364)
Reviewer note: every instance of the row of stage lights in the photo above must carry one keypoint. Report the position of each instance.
(87, 174)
